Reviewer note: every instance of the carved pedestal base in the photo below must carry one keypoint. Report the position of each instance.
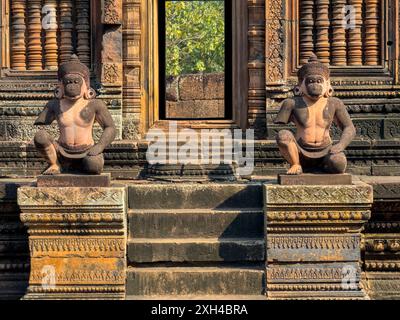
(313, 237)
(77, 242)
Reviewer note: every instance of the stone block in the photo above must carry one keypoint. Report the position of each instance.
(74, 180)
(77, 240)
(315, 179)
(195, 109)
(313, 240)
(191, 87)
(172, 89)
(195, 281)
(195, 250)
(194, 223)
(214, 86)
(195, 196)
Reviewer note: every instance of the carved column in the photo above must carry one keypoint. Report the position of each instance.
(133, 72)
(322, 23)
(256, 66)
(354, 53)
(338, 43)
(372, 20)
(313, 240)
(66, 28)
(111, 56)
(77, 241)
(83, 30)
(51, 46)
(306, 30)
(18, 47)
(34, 35)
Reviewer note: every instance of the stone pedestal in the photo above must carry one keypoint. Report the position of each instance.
(313, 239)
(77, 242)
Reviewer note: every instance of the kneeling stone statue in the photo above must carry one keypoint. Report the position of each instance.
(313, 111)
(75, 109)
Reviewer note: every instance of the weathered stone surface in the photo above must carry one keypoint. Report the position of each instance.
(312, 281)
(195, 196)
(195, 250)
(214, 86)
(172, 89)
(195, 109)
(74, 180)
(313, 248)
(178, 231)
(382, 240)
(111, 11)
(193, 223)
(14, 247)
(195, 280)
(353, 194)
(195, 96)
(382, 285)
(191, 87)
(77, 239)
(313, 240)
(315, 179)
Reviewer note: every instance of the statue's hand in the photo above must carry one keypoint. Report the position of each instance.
(95, 150)
(337, 148)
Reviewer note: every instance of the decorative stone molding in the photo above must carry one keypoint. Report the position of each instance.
(382, 240)
(112, 12)
(313, 240)
(77, 241)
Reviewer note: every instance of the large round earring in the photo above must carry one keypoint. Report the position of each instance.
(329, 93)
(90, 94)
(58, 93)
(297, 91)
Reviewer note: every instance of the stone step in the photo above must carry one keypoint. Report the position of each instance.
(196, 223)
(195, 196)
(156, 281)
(195, 250)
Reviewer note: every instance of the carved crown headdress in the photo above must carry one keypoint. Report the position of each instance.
(74, 66)
(313, 67)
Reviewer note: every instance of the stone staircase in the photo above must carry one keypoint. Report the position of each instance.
(195, 240)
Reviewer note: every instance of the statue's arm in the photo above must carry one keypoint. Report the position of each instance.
(285, 112)
(47, 116)
(104, 118)
(343, 120)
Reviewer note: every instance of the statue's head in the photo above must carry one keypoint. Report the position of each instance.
(314, 80)
(74, 80)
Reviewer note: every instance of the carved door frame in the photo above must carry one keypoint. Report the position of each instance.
(150, 82)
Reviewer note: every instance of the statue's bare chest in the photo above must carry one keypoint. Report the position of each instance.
(81, 115)
(320, 115)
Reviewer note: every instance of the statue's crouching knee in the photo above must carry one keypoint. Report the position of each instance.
(284, 138)
(336, 163)
(93, 164)
(42, 140)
